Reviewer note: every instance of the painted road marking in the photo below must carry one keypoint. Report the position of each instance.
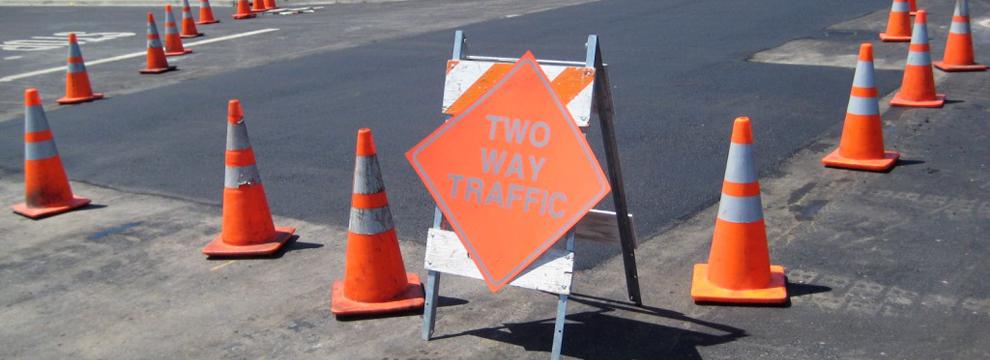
(132, 55)
(218, 267)
(58, 40)
(15, 57)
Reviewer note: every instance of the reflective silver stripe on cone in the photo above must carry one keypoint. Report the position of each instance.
(237, 136)
(962, 8)
(39, 150)
(863, 106)
(75, 68)
(920, 34)
(864, 75)
(740, 167)
(235, 176)
(367, 175)
(919, 58)
(899, 6)
(74, 50)
(169, 23)
(370, 221)
(959, 27)
(35, 119)
(740, 209)
(157, 41)
(205, 3)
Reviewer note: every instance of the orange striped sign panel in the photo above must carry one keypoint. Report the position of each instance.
(468, 80)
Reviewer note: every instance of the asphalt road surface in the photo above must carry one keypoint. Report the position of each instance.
(679, 70)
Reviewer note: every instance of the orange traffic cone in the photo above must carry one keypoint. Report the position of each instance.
(206, 13)
(156, 62)
(247, 228)
(912, 7)
(959, 48)
(918, 85)
(77, 87)
(898, 23)
(243, 11)
(258, 6)
(46, 187)
(173, 42)
(375, 279)
(738, 269)
(861, 146)
(188, 24)
(271, 5)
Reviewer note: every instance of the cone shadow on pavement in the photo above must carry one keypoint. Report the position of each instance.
(586, 331)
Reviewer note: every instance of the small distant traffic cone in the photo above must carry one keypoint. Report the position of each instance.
(271, 5)
(912, 7)
(77, 87)
(959, 47)
(156, 62)
(918, 85)
(173, 42)
(46, 187)
(258, 6)
(247, 228)
(375, 278)
(243, 11)
(861, 146)
(206, 13)
(738, 269)
(898, 23)
(188, 24)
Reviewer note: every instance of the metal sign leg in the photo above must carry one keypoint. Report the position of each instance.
(558, 327)
(430, 310)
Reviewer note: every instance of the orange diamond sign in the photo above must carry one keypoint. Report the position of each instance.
(512, 173)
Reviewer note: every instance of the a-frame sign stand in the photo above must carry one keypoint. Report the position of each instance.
(552, 272)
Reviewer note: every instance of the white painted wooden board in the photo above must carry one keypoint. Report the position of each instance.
(552, 272)
(464, 74)
(600, 226)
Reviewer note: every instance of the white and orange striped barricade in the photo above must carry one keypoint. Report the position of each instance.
(580, 87)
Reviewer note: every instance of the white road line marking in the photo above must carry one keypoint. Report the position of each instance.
(132, 55)
(218, 267)
(15, 57)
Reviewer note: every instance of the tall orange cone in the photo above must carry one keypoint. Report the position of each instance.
(898, 23)
(918, 84)
(913, 7)
(156, 62)
(959, 47)
(243, 11)
(271, 5)
(247, 228)
(46, 187)
(861, 146)
(77, 87)
(258, 6)
(173, 42)
(206, 13)
(375, 278)
(738, 269)
(188, 24)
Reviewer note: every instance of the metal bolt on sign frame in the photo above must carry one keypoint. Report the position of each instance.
(595, 223)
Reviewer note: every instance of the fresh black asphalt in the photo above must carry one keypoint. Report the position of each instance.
(678, 68)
